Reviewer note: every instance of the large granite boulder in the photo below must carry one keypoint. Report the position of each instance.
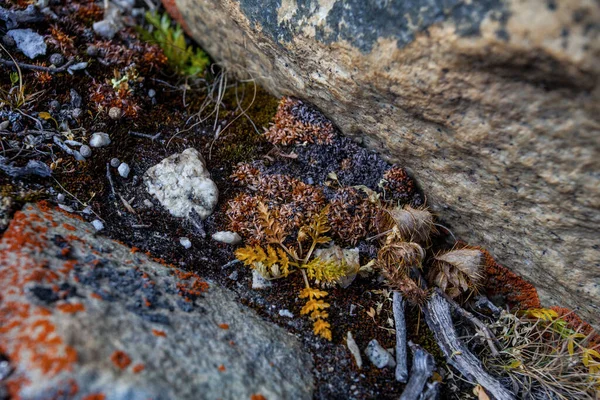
(493, 105)
(85, 317)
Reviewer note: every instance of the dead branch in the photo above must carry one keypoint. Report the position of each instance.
(400, 325)
(51, 70)
(439, 320)
(421, 371)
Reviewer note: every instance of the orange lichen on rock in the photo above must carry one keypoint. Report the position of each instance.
(191, 285)
(27, 333)
(95, 396)
(157, 332)
(579, 325)
(120, 359)
(138, 368)
(222, 368)
(257, 397)
(69, 227)
(71, 308)
(501, 281)
(224, 326)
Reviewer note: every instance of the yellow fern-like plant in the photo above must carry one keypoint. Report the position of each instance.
(276, 259)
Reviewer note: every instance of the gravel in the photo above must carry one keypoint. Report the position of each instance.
(124, 170)
(98, 225)
(57, 59)
(100, 139)
(258, 282)
(185, 242)
(379, 356)
(85, 151)
(115, 162)
(227, 237)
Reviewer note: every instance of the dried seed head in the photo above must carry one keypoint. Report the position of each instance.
(458, 271)
(413, 224)
(411, 290)
(397, 258)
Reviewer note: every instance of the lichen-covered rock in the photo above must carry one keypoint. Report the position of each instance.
(493, 105)
(82, 315)
(182, 185)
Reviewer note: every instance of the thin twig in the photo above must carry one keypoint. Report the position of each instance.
(145, 135)
(52, 70)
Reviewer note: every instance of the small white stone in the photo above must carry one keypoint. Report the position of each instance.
(148, 203)
(100, 139)
(379, 356)
(124, 170)
(182, 185)
(115, 113)
(185, 242)
(60, 198)
(115, 162)
(227, 237)
(286, 313)
(98, 225)
(258, 282)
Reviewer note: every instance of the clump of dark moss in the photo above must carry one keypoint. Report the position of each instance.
(399, 186)
(351, 216)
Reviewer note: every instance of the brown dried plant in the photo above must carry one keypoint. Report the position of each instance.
(277, 259)
(458, 271)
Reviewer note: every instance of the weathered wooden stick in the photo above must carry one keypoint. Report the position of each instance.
(432, 392)
(439, 320)
(400, 325)
(422, 368)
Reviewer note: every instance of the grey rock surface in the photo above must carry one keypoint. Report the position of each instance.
(493, 106)
(29, 42)
(83, 315)
(182, 185)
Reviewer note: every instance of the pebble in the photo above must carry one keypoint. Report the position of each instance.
(185, 242)
(100, 139)
(85, 151)
(55, 105)
(114, 113)
(115, 162)
(92, 51)
(8, 41)
(233, 276)
(379, 356)
(148, 203)
(286, 313)
(29, 42)
(105, 28)
(354, 350)
(4, 125)
(124, 170)
(98, 225)
(87, 210)
(151, 93)
(227, 237)
(258, 282)
(76, 113)
(75, 99)
(57, 59)
(60, 198)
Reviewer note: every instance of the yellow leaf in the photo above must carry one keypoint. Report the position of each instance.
(271, 257)
(570, 345)
(313, 305)
(249, 254)
(321, 328)
(45, 115)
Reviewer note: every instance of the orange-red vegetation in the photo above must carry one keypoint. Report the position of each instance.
(288, 129)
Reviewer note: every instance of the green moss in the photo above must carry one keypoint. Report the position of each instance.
(240, 142)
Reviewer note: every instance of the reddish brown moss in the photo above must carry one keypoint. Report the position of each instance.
(351, 216)
(288, 129)
(398, 185)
